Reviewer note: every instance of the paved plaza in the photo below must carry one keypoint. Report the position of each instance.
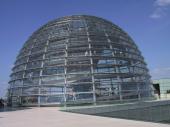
(53, 117)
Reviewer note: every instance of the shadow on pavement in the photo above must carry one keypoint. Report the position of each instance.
(11, 109)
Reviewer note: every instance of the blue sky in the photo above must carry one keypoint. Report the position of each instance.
(146, 21)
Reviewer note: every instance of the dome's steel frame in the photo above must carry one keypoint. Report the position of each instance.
(79, 59)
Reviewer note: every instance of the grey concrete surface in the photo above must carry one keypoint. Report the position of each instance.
(53, 117)
(154, 111)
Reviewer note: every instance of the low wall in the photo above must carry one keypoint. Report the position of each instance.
(156, 111)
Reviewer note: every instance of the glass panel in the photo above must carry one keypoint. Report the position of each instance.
(31, 81)
(78, 52)
(101, 62)
(82, 97)
(79, 69)
(53, 70)
(16, 92)
(73, 40)
(124, 69)
(17, 75)
(77, 78)
(30, 91)
(52, 90)
(39, 44)
(54, 46)
(30, 100)
(53, 80)
(98, 38)
(36, 57)
(78, 44)
(106, 88)
(17, 83)
(74, 61)
(32, 73)
(103, 52)
(51, 62)
(127, 86)
(79, 87)
(55, 54)
(37, 49)
(23, 53)
(59, 30)
(35, 64)
(19, 68)
(129, 94)
(76, 24)
(104, 70)
(20, 61)
(52, 99)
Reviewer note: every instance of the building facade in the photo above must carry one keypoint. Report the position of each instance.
(79, 59)
(164, 87)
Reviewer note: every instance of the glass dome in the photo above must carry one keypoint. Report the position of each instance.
(79, 59)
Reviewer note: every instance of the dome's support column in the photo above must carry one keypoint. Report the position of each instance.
(119, 81)
(139, 97)
(41, 71)
(65, 76)
(119, 87)
(92, 72)
(24, 76)
(117, 69)
(39, 89)
(138, 90)
(111, 48)
(91, 66)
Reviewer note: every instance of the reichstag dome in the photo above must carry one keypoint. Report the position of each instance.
(78, 59)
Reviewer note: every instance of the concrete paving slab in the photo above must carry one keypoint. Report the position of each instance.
(53, 117)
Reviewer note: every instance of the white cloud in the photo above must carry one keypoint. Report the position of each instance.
(158, 13)
(158, 73)
(162, 2)
(160, 8)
